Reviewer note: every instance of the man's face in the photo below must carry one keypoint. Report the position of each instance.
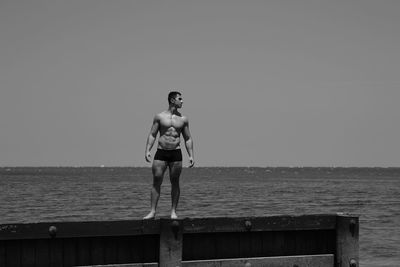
(178, 101)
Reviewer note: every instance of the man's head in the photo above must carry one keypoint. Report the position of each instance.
(175, 98)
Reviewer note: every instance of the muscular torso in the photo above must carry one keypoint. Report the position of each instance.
(170, 128)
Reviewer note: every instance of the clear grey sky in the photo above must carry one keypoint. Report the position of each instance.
(265, 83)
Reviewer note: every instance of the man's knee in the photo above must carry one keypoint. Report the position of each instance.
(157, 180)
(174, 181)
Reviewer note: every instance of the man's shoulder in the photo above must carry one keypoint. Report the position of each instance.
(159, 116)
(184, 118)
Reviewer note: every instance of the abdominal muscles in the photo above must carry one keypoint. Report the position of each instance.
(169, 140)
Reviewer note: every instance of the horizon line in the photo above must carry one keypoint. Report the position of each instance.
(185, 167)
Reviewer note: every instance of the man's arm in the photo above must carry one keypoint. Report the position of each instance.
(151, 138)
(188, 142)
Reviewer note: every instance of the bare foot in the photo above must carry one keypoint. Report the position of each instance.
(173, 215)
(151, 215)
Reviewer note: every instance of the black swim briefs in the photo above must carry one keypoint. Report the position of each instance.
(168, 155)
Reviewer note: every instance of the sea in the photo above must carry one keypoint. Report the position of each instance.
(53, 194)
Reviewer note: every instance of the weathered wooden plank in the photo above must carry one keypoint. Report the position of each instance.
(150, 248)
(97, 250)
(273, 243)
(42, 253)
(285, 243)
(123, 250)
(78, 229)
(13, 253)
(347, 247)
(245, 249)
(289, 243)
(140, 227)
(111, 248)
(316, 242)
(227, 245)
(273, 223)
(70, 251)
(305, 242)
(199, 246)
(154, 264)
(2, 254)
(136, 247)
(83, 251)
(242, 244)
(170, 243)
(324, 246)
(27, 253)
(250, 244)
(56, 252)
(287, 261)
(256, 244)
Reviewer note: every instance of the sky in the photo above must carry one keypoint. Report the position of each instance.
(264, 83)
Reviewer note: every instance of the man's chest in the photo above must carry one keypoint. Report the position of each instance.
(172, 121)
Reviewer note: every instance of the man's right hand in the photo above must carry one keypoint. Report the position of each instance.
(148, 156)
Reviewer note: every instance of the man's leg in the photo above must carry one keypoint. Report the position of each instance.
(158, 169)
(175, 169)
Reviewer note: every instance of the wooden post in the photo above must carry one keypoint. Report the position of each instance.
(170, 243)
(347, 229)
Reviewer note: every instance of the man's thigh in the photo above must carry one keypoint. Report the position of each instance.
(159, 168)
(175, 169)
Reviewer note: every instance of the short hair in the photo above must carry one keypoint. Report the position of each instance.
(172, 95)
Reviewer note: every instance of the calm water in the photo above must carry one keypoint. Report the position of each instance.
(76, 194)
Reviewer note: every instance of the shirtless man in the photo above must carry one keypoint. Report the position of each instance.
(170, 124)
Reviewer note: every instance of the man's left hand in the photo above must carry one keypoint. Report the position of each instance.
(191, 162)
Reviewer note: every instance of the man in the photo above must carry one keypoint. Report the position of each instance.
(170, 124)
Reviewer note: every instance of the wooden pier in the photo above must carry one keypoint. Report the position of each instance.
(292, 241)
